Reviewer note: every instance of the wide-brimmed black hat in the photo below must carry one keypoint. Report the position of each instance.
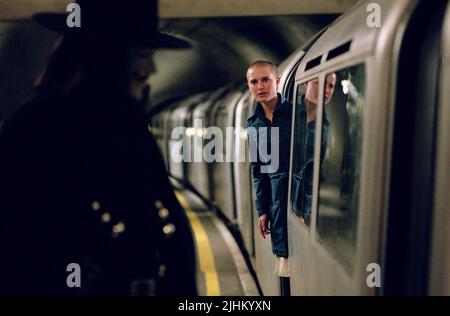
(133, 23)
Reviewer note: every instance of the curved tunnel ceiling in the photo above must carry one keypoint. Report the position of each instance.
(223, 48)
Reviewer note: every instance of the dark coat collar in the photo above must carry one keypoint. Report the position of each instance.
(283, 107)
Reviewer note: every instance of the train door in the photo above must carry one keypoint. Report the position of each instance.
(439, 283)
(326, 163)
(242, 175)
(416, 196)
(340, 163)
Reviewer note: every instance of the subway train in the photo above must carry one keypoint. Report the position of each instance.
(381, 168)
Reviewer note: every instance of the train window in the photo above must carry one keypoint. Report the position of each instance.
(340, 162)
(303, 154)
(342, 49)
(313, 63)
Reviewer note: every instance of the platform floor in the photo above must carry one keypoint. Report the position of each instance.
(221, 268)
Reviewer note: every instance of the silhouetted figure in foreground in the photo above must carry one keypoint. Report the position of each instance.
(82, 180)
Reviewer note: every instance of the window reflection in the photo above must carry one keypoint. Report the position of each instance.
(340, 163)
(304, 138)
(299, 155)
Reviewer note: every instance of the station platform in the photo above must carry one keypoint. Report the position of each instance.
(221, 267)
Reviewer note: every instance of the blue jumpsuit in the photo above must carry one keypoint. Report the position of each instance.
(272, 187)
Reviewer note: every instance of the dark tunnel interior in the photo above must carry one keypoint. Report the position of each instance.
(222, 49)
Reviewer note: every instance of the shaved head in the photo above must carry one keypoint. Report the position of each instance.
(262, 81)
(263, 63)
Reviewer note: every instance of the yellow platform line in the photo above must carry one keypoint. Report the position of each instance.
(205, 253)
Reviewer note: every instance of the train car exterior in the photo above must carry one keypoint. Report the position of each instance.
(350, 210)
(241, 170)
(223, 114)
(439, 281)
(349, 246)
